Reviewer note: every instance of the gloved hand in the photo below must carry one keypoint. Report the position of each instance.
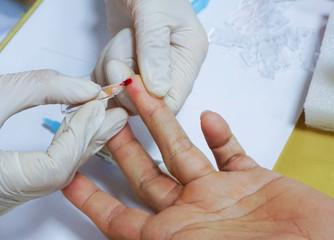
(169, 43)
(28, 175)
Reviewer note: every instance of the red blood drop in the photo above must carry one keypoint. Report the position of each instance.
(127, 82)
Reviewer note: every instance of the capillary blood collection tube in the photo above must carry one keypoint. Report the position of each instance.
(105, 94)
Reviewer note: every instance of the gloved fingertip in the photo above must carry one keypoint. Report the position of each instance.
(94, 86)
(77, 90)
(115, 120)
(118, 116)
(117, 71)
(90, 114)
(84, 84)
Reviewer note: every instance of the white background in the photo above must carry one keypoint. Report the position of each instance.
(68, 35)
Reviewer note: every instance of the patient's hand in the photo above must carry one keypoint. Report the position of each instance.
(240, 201)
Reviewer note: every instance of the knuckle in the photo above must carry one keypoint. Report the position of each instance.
(203, 45)
(61, 177)
(55, 176)
(154, 109)
(144, 182)
(41, 75)
(42, 78)
(181, 147)
(50, 73)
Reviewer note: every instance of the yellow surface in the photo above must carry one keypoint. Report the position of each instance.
(309, 157)
(17, 27)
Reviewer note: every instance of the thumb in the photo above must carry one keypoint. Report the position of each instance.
(21, 91)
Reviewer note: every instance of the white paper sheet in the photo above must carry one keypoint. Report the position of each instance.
(68, 35)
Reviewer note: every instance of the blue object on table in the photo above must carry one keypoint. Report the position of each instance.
(199, 5)
(51, 125)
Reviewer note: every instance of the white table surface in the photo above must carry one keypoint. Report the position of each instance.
(68, 35)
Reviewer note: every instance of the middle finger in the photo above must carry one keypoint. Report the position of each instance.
(157, 190)
(184, 161)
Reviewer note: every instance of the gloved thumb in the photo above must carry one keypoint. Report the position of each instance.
(117, 72)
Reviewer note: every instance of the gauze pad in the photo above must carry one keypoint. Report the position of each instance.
(319, 105)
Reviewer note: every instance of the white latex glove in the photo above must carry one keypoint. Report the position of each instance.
(169, 43)
(28, 175)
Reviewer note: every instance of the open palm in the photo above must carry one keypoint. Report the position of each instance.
(240, 201)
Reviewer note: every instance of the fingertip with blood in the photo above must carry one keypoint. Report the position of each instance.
(135, 87)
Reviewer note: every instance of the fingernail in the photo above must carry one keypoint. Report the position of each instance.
(204, 112)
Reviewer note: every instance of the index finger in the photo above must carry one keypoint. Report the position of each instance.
(182, 158)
